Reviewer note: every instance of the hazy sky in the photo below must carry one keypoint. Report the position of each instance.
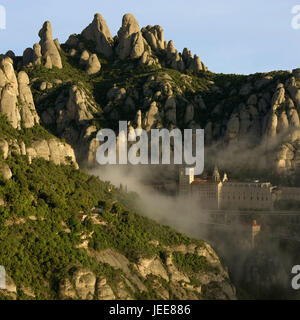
(230, 36)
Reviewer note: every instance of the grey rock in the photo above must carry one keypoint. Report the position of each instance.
(131, 42)
(152, 117)
(72, 41)
(8, 106)
(4, 147)
(271, 124)
(155, 37)
(5, 171)
(278, 97)
(84, 282)
(233, 128)
(28, 112)
(103, 290)
(93, 65)
(48, 46)
(7, 74)
(170, 110)
(72, 52)
(10, 54)
(27, 56)
(189, 114)
(37, 54)
(246, 89)
(116, 93)
(283, 122)
(293, 118)
(84, 58)
(98, 32)
(48, 63)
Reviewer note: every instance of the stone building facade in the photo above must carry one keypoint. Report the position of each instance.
(287, 193)
(215, 194)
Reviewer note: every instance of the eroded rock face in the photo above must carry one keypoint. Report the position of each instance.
(84, 283)
(103, 290)
(152, 266)
(98, 32)
(155, 37)
(93, 65)
(37, 54)
(28, 112)
(5, 171)
(152, 117)
(7, 74)
(4, 147)
(272, 121)
(27, 57)
(233, 128)
(84, 58)
(278, 97)
(8, 105)
(11, 288)
(131, 42)
(16, 101)
(49, 49)
(52, 150)
(170, 110)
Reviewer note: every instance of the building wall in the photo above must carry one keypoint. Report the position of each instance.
(290, 194)
(207, 194)
(246, 196)
(231, 195)
(185, 182)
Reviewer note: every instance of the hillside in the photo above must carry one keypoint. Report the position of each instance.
(67, 235)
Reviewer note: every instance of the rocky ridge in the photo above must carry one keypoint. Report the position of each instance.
(258, 111)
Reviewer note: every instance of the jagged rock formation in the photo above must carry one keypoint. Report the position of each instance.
(98, 32)
(146, 44)
(28, 112)
(75, 108)
(16, 100)
(8, 105)
(155, 37)
(93, 65)
(50, 150)
(33, 57)
(257, 111)
(49, 49)
(131, 42)
(85, 285)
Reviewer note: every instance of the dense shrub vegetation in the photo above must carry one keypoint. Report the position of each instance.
(43, 200)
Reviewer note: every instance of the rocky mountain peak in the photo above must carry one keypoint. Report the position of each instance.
(131, 42)
(48, 47)
(98, 32)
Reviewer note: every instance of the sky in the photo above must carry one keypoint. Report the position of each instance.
(230, 36)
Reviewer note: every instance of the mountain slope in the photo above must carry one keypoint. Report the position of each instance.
(67, 235)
